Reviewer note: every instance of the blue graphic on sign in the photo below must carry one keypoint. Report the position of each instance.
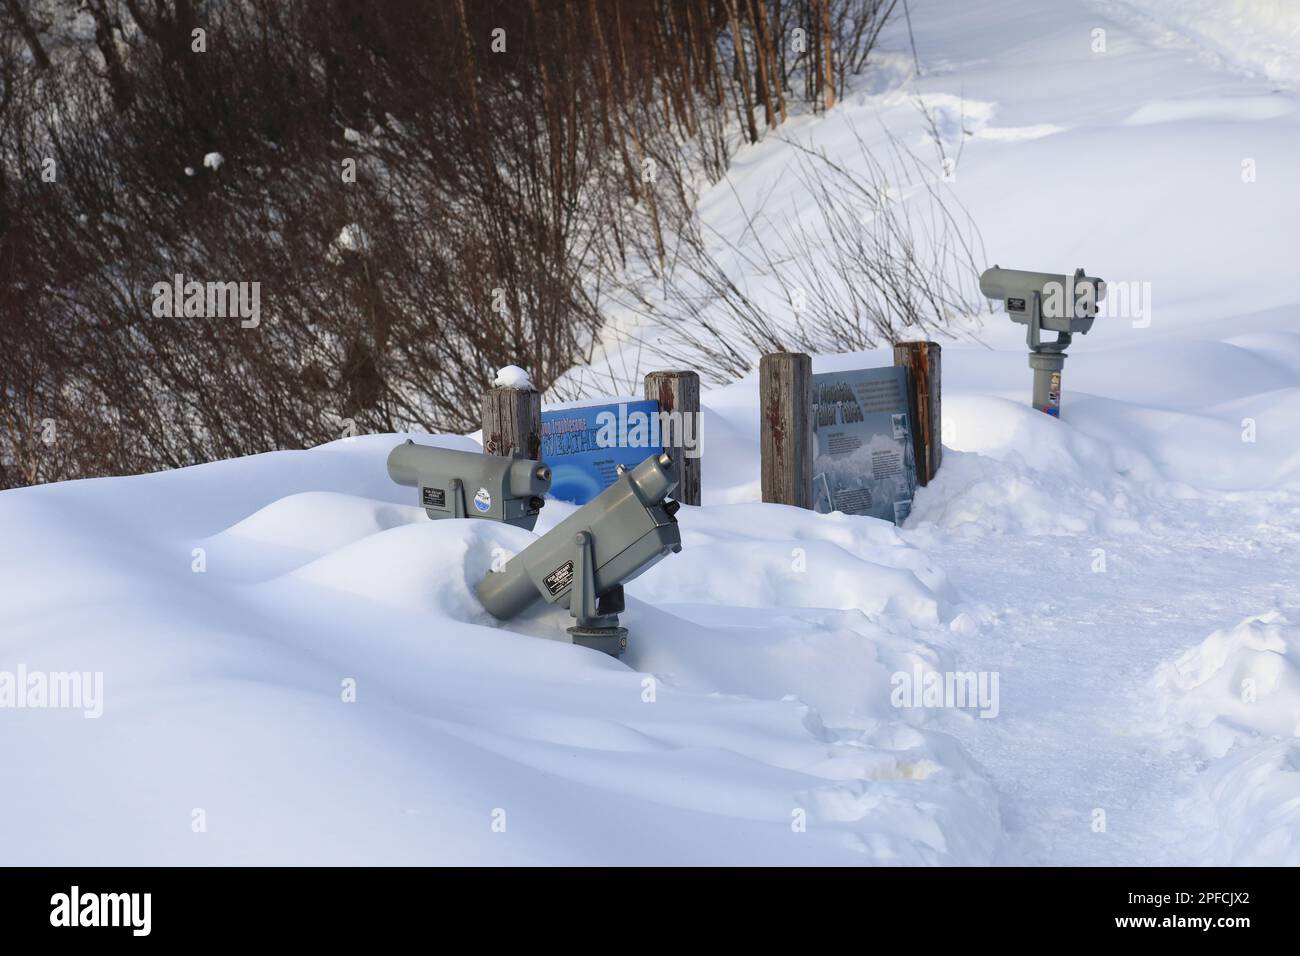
(584, 446)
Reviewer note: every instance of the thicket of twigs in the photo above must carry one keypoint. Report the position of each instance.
(424, 191)
(882, 252)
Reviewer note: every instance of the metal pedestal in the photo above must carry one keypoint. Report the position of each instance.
(1047, 380)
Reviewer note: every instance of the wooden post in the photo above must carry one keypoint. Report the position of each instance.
(512, 422)
(679, 392)
(922, 361)
(786, 427)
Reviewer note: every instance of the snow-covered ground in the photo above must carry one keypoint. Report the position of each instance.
(1124, 579)
(1259, 37)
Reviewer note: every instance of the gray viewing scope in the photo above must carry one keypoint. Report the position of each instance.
(583, 562)
(466, 484)
(1051, 301)
(1064, 304)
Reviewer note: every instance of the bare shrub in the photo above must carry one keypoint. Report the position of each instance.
(885, 253)
(517, 162)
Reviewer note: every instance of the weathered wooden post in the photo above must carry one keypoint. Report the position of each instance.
(678, 394)
(786, 428)
(922, 361)
(512, 422)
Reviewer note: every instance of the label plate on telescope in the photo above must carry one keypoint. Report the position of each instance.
(1015, 305)
(560, 578)
(433, 497)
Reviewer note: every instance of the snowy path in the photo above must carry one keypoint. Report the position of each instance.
(1076, 651)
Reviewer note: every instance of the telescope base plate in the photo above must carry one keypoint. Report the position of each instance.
(611, 640)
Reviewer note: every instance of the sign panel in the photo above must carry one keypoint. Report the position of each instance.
(863, 460)
(585, 445)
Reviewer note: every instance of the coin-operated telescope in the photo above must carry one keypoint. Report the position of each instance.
(466, 484)
(1062, 304)
(584, 561)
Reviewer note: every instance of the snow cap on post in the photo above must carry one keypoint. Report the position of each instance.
(512, 376)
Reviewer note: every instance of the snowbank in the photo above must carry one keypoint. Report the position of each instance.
(1235, 685)
(1262, 36)
(1234, 702)
(749, 726)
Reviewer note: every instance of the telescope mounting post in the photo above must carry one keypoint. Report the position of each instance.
(596, 617)
(1047, 359)
(456, 491)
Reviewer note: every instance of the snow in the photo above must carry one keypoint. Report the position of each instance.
(1231, 701)
(512, 376)
(353, 238)
(1120, 571)
(222, 692)
(1254, 36)
(1243, 680)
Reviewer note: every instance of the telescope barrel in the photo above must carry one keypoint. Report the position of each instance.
(507, 592)
(467, 484)
(629, 529)
(656, 483)
(998, 283)
(408, 461)
(405, 460)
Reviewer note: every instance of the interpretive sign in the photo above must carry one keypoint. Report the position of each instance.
(863, 459)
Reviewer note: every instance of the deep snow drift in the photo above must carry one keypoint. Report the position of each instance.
(1126, 574)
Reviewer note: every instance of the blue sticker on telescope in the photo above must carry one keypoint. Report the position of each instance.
(584, 446)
